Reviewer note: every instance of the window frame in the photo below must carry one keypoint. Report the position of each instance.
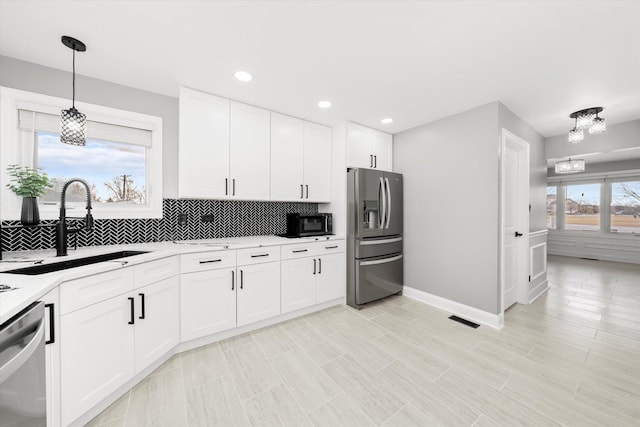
(18, 146)
(605, 180)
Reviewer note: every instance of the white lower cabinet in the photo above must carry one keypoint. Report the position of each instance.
(258, 294)
(298, 284)
(52, 355)
(330, 282)
(207, 303)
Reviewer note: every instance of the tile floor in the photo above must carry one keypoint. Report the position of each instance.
(571, 358)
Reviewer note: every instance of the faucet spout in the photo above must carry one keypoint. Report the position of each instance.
(61, 227)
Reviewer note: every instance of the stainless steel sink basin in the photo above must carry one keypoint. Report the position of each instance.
(72, 263)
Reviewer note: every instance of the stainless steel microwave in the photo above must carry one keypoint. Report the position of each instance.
(304, 225)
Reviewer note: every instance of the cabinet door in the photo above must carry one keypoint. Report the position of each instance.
(52, 355)
(317, 162)
(157, 321)
(382, 149)
(203, 146)
(298, 284)
(258, 292)
(286, 158)
(207, 303)
(330, 282)
(359, 153)
(250, 152)
(97, 354)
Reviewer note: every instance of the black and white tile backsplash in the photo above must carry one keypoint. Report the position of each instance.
(230, 219)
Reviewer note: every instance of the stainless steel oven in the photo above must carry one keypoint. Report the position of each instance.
(22, 369)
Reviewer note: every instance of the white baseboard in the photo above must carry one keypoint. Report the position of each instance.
(540, 289)
(476, 315)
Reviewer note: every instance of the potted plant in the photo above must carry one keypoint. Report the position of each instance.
(28, 183)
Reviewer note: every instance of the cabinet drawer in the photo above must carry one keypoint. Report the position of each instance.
(330, 246)
(83, 292)
(300, 250)
(154, 271)
(203, 261)
(258, 255)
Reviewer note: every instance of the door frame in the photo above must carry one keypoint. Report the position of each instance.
(523, 188)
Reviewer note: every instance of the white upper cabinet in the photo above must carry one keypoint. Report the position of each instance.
(203, 159)
(300, 160)
(317, 162)
(249, 152)
(368, 148)
(287, 141)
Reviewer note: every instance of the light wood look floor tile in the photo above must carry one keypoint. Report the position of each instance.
(571, 358)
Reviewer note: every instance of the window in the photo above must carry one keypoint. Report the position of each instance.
(625, 207)
(582, 207)
(552, 193)
(122, 160)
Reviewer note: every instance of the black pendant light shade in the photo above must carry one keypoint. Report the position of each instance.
(73, 124)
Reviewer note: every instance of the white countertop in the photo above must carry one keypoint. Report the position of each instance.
(30, 288)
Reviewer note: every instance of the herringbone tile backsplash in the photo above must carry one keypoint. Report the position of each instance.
(230, 219)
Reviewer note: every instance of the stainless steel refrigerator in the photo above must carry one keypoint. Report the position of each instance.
(374, 235)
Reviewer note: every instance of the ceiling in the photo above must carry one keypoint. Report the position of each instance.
(414, 61)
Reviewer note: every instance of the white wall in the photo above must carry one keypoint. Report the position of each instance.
(50, 81)
(451, 191)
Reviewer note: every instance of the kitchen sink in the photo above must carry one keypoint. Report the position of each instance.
(72, 263)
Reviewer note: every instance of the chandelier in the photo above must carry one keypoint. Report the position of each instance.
(586, 119)
(565, 167)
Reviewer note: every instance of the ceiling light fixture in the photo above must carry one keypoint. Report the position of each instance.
(586, 119)
(565, 167)
(73, 124)
(386, 121)
(324, 104)
(243, 76)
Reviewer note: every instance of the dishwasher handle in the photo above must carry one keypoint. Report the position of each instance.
(13, 364)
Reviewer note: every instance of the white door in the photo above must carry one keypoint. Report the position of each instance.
(97, 354)
(52, 355)
(250, 140)
(330, 282)
(157, 321)
(286, 158)
(258, 292)
(382, 149)
(359, 153)
(514, 219)
(317, 162)
(298, 284)
(203, 160)
(207, 303)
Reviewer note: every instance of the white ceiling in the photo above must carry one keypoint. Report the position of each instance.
(413, 61)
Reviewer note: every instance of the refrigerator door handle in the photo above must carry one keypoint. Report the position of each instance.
(382, 212)
(388, 215)
(381, 261)
(380, 241)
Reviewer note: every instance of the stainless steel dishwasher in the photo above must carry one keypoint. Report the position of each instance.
(22, 369)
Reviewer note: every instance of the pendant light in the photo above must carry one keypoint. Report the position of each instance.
(586, 119)
(565, 167)
(73, 124)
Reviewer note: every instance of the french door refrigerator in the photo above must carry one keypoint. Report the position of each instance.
(374, 235)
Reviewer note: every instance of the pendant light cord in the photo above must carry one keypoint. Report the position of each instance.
(73, 98)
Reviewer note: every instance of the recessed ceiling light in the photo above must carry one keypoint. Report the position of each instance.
(386, 121)
(324, 104)
(243, 76)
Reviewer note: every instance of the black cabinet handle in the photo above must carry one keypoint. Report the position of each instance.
(258, 256)
(233, 279)
(314, 266)
(210, 261)
(133, 308)
(142, 306)
(370, 160)
(226, 186)
(319, 265)
(52, 328)
(375, 162)
(241, 280)
(299, 250)
(307, 190)
(233, 187)
(301, 191)
(518, 234)
(331, 247)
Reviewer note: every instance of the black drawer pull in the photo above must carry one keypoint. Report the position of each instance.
(319, 265)
(241, 280)
(52, 333)
(210, 261)
(331, 247)
(314, 266)
(258, 256)
(233, 280)
(300, 250)
(133, 308)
